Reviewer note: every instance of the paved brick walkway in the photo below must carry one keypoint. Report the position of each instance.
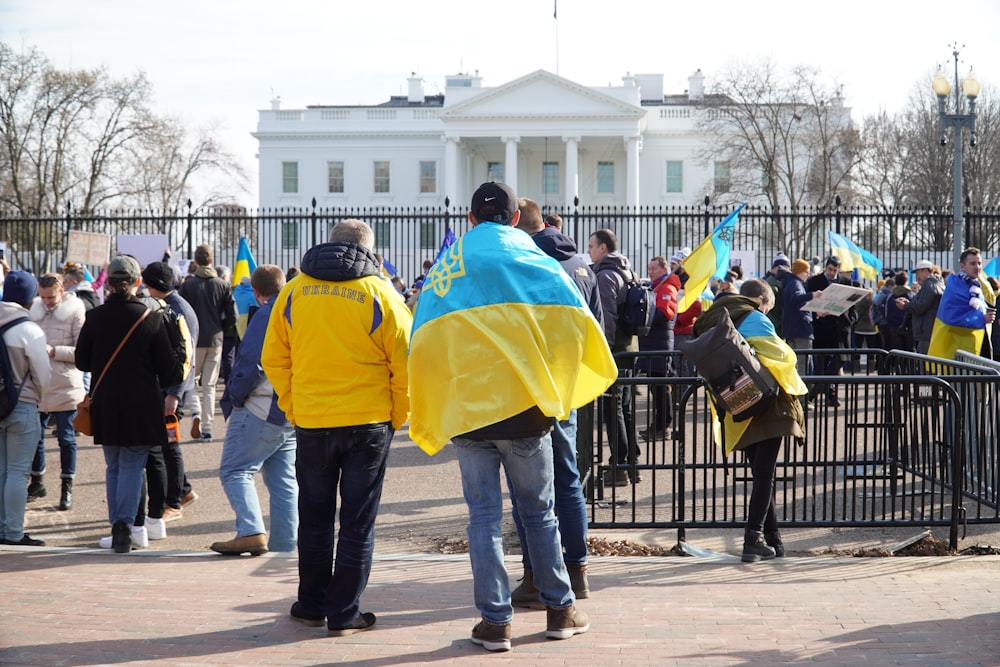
(88, 607)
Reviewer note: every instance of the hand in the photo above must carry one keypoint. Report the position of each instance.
(991, 314)
(900, 303)
(51, 350)
(169, 405)
(817, 294)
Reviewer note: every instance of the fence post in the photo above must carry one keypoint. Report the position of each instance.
(576, 217)
(190, 231)
(312, 217)
(836, 213)
(708, 228)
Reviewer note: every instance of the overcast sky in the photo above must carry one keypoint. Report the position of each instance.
(219, 61)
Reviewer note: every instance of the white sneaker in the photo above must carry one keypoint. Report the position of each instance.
(140, 538)
(156, 528)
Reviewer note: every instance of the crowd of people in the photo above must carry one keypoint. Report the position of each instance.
(513, 299)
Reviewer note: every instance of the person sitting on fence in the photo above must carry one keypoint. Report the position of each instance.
(760, 437)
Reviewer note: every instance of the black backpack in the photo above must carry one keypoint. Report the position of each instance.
(892, 316)
(10, 390)
(737, 382)
(635, 316)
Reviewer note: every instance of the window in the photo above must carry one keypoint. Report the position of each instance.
(289, 235)
(722, 180)
(606, 178)
(428, 236)
(335, 177)
(381, 172)
(550, 178)
(428, 177)
(289, 176)
(494, 171)
(675, 176)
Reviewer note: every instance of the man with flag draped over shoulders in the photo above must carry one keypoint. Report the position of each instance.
(502, 342)
(964, 311)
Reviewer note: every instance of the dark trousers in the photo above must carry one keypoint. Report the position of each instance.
(763, 457)
(177, 482)
(619, 422)
(155, 485)
(351, 458)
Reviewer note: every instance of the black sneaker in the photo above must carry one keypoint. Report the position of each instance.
(298, 615)
(363, 622)
(491, 637)
(121, 537)
(25, 541)
(617, 477)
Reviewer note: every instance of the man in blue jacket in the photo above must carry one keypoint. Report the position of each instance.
(258, 437)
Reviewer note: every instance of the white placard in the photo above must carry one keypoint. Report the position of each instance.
(836, 299)
(146, 248)
(89, 248)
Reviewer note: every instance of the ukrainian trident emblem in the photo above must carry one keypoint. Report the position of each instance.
(447, 269)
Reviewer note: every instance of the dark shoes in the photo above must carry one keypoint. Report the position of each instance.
(25, 541)
(298, 615)
(491, 637)
(36, 488)
(526, 595)
(773, 540)
(255, 545)
(755, 549)
(653, 434)
(564, 623)
(121, 537)
(363, 622)
(66, 495)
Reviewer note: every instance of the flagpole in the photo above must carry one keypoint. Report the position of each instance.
(555, 15)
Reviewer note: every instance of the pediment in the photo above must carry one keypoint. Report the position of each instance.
(541, 94)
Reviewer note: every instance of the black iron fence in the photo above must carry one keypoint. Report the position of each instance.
(407, 236)
(913, 442)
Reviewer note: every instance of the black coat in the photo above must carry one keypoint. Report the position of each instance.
(127, 406)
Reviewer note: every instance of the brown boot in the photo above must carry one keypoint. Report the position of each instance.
(578, 579)
(564, 623)
(255, 545)
(526, 595)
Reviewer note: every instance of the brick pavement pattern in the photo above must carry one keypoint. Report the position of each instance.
(87, 607)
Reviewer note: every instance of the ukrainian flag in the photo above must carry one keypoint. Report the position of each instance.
(709, 260)
(961, 318)
(853, 257)
(242, 292)
(499, 328)
(245, 263)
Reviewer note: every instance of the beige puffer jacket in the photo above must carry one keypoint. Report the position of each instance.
(62, 326)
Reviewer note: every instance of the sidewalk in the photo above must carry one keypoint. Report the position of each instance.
(91, 607)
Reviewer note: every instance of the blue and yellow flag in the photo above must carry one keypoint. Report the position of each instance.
(854, 257)
(961, 318)
(709, 260)
(245, 263)
(499, 328)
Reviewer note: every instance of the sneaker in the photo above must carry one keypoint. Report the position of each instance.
(25, 541)
(363, 622)
(196, 428)
(172, 514)
(755, 549)
(140, 537)
(564, 623)
(491, 637)
(189, 498)
(206, 435)
(298, 615)
(156, 528)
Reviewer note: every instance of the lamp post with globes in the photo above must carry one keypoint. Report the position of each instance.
(956, 121)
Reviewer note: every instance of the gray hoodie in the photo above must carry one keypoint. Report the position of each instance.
(29, 357)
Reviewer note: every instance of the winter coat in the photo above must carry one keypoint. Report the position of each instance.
(212, 301)
(561, 248)
(29, 360)
(127, 406)
(62, 326)
(795, 323)
(661, 334)
(923, 307)
(613, 289)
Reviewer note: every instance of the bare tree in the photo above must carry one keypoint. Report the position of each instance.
(788, 141)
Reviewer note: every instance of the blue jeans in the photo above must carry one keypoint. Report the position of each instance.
(353, 458)
(18, 440)
(65, 435)
(570, 504)
(254, 445)
(528, 463)
(123, 478)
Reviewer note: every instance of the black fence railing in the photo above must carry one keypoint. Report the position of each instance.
(912, 443)
(406, 236)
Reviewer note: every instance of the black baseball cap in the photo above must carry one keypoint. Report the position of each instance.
(495, 202)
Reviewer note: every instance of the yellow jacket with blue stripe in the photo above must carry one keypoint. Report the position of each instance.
(336, 343)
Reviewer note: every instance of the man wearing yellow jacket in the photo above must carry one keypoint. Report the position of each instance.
(335, 352)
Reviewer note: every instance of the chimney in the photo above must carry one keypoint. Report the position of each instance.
(696, 87)
(628, 81)
(416, 94)
(276, 103)
(650, 87)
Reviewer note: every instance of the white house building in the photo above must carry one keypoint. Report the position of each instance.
(551, 139)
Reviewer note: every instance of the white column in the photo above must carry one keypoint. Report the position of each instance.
(451, 168)
(632, 171)
(510, 162)
(572, 169)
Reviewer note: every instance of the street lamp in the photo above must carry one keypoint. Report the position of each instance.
(956, 121)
